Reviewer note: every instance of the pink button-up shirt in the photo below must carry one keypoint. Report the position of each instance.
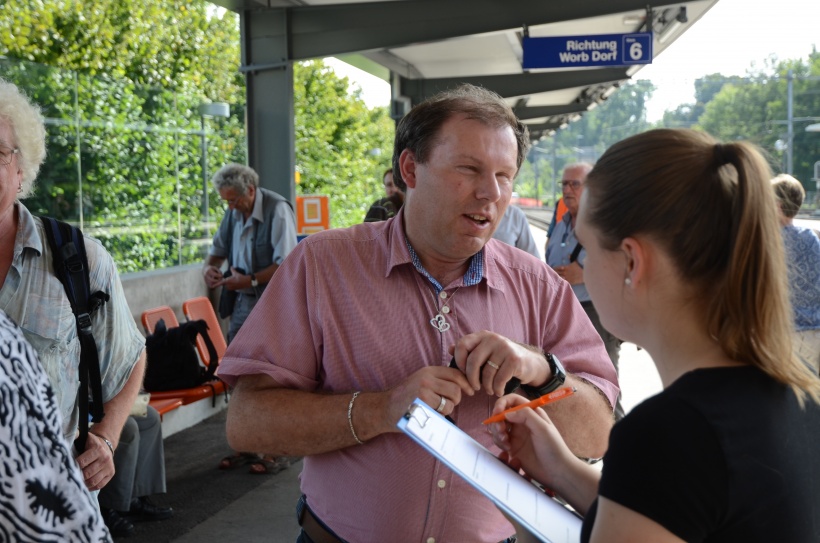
(348, 311)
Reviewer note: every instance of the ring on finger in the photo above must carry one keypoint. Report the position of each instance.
(441, 404)
(492, 364)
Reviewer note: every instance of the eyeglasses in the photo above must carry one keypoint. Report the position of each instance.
(574, 184)
(6, 154)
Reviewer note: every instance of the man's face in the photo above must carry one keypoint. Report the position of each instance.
(241, 203)
(10, 174)
(572, 185)
(389, 188)
(456, 199)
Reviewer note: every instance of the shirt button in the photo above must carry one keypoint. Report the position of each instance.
(442, 295)
(431, 540)
(442, 483)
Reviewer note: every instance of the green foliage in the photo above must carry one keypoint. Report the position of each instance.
(620, 116)
(120, 83)
(342, 148)
(687, 115)
(756, 110)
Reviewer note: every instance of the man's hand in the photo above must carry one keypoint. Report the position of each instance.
(96, 463)
(212, 276)
(237, 280)
(573, 273)
(490, 360)
(430, 384)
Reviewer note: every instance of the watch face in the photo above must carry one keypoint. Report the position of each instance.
(555, 364)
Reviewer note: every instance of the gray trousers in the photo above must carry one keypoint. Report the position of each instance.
(244, 304)
(611, 343)
(139, 461)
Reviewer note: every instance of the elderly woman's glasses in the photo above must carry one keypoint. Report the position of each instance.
(5, 155)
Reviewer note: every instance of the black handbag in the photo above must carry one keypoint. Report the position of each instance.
(173, 362)
(227, 299)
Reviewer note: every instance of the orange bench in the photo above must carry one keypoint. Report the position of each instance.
(166, 405)
(211, 389)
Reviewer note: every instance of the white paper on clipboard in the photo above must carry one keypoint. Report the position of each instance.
(520, 499)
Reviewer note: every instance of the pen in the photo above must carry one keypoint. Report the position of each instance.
(559, 394)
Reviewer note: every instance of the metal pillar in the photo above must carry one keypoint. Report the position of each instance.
(269, 113)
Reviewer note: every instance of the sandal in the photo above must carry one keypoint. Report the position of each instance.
(237, 459)
(268, 465)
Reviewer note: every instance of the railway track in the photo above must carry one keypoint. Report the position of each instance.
(538, 216)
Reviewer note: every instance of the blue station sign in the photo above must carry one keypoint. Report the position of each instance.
(583, 51)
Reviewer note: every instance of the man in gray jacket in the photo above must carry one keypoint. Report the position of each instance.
(256, 234)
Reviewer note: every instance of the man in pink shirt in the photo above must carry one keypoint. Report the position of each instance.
(314, 375)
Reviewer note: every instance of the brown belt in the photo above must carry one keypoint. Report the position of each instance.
(314, 529)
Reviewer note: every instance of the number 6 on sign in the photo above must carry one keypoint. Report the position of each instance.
(637, 48)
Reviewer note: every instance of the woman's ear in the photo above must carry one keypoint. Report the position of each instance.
(635, 266)
(407, 167)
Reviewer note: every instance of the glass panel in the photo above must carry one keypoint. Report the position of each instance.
(125, 163)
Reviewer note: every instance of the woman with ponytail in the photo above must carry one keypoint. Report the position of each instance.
(685, 259)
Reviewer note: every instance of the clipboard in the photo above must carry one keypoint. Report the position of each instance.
(512, 493)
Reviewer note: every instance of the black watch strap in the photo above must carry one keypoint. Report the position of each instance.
(558, 378)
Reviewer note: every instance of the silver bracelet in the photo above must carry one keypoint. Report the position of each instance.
(350, 418)
(110, 446)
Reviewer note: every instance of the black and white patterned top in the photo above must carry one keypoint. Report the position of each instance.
(42, 494)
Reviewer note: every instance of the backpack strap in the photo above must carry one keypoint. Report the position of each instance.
(71, 268)
(214, 358)
(575, 252)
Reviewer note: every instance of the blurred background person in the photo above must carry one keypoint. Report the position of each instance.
(566, 255)
(515, 230)
(387, 207)
(803, 259)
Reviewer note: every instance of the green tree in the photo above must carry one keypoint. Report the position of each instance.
(120, 82)
(706, 87)
(342, 147)
(756, 111)
(623, 114)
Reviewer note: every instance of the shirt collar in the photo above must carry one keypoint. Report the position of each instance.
(27, 235)
(401, 252)
(257, 213)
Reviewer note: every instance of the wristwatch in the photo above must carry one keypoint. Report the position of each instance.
(254, 282)
(558, 378)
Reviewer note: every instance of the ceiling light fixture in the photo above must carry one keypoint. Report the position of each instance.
(672, 27)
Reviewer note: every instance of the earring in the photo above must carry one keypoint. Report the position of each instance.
(628, 281)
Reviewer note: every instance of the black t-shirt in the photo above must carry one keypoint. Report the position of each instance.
(724, 454)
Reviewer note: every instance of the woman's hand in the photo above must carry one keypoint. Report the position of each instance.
(531, 442)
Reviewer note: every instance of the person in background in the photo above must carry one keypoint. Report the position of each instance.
(728, 450)
(387, 207)
(43, 488)
(255, 236)
(566, 255)
(140, 464)
(319, 379)
(557, 215)
(33, 296)
(515, 230)
(803, 260)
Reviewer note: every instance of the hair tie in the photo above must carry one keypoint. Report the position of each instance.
(723, 155)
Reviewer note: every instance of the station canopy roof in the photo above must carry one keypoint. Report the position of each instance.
(423, 46)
